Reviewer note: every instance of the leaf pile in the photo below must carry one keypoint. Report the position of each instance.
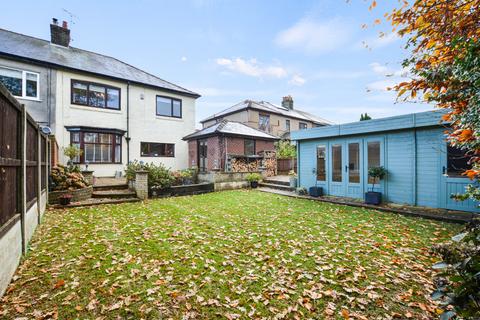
(230, 255)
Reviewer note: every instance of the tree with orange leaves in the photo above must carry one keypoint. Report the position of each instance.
(444, 39)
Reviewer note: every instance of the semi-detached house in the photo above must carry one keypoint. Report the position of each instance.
(113, 111)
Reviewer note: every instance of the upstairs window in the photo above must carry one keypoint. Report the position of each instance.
(169, 107)
(264, 122)
(302, 126)
(249, 147)
(21, 84)
(152, 149)
(287, 125)
(95, 95)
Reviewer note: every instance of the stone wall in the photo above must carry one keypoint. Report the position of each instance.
(77, 195)
(226, 180)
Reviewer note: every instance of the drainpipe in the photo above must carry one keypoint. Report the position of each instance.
(415, 180)
(128, 122)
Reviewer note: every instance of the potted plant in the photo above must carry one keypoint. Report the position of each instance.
(253, 178)
(377, 173)
(293, 179)
(65, 199)
(315, 191)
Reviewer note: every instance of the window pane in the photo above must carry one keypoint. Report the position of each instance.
(96, 96)
(106, 153)
(113, 98)
(177, 108)
(169, 150)
(89, 152)
(75, 136)
(32, 84)
(105, 138)
(118, 153)
(264, 122)
(302, 126)
(321, 161)
(287, 125)
(79, 93)
(12, 80)
(337, 163)
(457, 162)
(373, 150)
(164, 107)
(148, 149)
(353, 162)
(90, 137)
(249, 147)
(77, 158)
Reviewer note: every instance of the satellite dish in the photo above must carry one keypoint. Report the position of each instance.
(46, 130)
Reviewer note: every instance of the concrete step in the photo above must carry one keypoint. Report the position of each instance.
(114, 194)
(279, 182)
(105, 187)
(275, 186)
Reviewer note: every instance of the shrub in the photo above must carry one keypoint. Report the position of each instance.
(159, 177)
(65, 178)
(72, 152)
(185, 176)
(458, 285)
(285, 150)
(251, 177)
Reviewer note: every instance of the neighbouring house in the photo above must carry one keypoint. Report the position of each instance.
(217, 147)
(113, 111)
(267, 117)
(423, 169)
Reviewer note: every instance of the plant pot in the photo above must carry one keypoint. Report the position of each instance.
(373, 197)
(315, 191)
(65, 201)
(293, 182)
(254, 184)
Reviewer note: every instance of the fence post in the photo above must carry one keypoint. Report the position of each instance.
(39, 174)
(141, 184)
(23, 176)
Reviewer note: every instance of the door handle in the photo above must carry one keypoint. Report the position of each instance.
(346, 168)
(444, 170)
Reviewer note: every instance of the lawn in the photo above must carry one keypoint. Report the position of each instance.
(235, 254)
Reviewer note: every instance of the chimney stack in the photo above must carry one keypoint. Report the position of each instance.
(59, 34)
(287, 102)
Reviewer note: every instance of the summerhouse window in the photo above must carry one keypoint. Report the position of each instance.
(373, 156)
(95, 95)
(457, 162)
(321, 164)
(337, 163)
(20, 83)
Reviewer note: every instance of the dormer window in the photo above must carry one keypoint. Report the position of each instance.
(21, 84)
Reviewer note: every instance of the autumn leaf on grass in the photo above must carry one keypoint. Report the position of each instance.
(59, 283)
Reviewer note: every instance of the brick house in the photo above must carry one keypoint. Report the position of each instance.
(214, 147)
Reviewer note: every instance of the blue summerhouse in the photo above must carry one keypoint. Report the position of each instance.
(423, 170)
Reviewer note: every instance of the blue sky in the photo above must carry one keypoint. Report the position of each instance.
(229, 51)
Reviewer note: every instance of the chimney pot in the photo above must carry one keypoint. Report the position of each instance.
(59, 34)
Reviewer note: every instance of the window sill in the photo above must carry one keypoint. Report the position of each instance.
(86, 108)
(168, 118)
(147, 156)
(29, 99)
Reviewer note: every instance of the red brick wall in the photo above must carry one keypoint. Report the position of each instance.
(192, 153)
(214, 153)
(263, 145)
(235, 145)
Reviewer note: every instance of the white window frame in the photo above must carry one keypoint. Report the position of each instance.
(24, 84)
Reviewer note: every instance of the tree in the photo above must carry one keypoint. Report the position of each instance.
(443, 41)
(365, 117)
(285, 149)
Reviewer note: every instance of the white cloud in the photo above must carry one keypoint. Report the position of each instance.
(183, 59)
(332, 74)
(381, 85)
(297, 80)
(252, 68)
(379, 68)
(314, 37)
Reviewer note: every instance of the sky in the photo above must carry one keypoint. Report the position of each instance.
(228, 51)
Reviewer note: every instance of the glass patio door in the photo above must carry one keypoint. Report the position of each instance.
(353, 169)
(202, 155)
(337, 177)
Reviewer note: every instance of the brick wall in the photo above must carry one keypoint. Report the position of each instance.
(263, 145)
(214, 153)
(235, 145)
(192, 153)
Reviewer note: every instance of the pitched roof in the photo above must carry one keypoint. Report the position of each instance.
(26, 47)
(269, 107)
(230, 128)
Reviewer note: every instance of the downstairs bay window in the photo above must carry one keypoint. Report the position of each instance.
(97, 147)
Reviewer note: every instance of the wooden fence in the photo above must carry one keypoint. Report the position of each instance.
(23, 165)
(285, 165)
